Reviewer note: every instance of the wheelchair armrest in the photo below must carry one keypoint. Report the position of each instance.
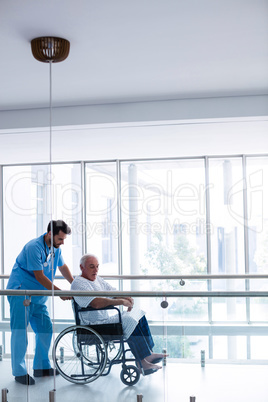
(78, 309)
(88, 308)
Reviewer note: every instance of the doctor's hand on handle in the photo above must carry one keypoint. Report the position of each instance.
(41, 278)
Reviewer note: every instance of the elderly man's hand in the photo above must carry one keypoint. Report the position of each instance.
(66, 297)
(132, 303)
(128, 302)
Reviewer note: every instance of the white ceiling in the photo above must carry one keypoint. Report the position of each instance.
(129, 51)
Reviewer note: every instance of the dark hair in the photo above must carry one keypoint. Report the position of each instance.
(57, 226)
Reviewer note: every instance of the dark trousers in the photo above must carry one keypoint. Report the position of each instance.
(140, 341)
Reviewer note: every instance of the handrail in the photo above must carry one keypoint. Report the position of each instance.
(181, 276)
(168, 293)
(208, 276)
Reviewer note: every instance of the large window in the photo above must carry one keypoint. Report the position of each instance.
(187, 216)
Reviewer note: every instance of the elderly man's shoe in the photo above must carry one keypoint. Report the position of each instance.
(149, 371)
(45, 372)
(25, 379)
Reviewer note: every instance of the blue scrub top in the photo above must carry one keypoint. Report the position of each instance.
(35, 256)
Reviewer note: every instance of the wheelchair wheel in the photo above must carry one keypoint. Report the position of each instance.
(83, 362)
(130, 375)
(114, 349)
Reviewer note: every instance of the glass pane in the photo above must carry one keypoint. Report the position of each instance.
(258, 309)
(230, 347)
(257, 192)
(101, 215)
(226, 216)
(259, 347)
(27, 202)
(164, 227)
(227, 234)
(28, 207)
(257, 200)
(228, 309)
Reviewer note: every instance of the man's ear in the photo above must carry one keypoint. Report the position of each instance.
(83, 274)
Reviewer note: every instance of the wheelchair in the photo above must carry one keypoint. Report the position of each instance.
(83, 353)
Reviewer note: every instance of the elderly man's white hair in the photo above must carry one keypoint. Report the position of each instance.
(85, 257)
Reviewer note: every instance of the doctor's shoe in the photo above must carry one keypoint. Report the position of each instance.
(45, 372)
(25, 379)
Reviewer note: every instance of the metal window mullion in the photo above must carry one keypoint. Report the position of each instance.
(210, 346)
(208, 236)
(83, 209)
(246, 244)
(2, 236)
(248, 347)
(2, 219)
(119, 221)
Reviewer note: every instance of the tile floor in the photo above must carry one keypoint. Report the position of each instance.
(174, 383)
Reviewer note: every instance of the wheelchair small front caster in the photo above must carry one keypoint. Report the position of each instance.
(130, 375)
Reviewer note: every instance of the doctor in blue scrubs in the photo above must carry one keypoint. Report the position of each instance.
(33, 270)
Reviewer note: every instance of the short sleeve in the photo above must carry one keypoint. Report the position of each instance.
(33, 258)
(60, 260)
(106, 285)
(80, 284)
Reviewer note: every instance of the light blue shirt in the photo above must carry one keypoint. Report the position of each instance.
(35, 256)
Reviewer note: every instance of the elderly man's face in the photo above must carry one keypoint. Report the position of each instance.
(91, 268)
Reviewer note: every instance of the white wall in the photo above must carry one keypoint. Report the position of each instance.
(214, 137)
(170, 110)
(193, 127)
(184, 109)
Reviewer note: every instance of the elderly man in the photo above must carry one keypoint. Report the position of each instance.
(135, 327)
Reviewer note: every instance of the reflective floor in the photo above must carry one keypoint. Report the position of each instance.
(174, 383)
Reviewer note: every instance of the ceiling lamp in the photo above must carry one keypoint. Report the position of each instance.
(50, 49)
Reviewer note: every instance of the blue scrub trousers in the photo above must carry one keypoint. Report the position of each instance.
(20, 317)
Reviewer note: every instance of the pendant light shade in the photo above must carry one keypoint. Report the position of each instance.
(50, 49)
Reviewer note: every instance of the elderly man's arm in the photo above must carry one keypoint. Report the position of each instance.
(101, 302)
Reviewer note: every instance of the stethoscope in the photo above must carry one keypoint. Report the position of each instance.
(48, 256)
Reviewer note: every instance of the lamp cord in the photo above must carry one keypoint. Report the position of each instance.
(51, 211)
